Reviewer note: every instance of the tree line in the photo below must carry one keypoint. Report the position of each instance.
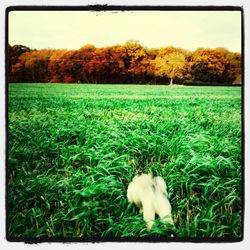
(128, 63)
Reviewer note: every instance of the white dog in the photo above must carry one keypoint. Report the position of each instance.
(150, 194)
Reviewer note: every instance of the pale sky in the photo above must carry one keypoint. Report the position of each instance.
(154, 29)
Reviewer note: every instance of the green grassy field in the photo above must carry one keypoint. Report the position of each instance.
(73, 149)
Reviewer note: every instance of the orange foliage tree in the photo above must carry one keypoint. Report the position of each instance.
(54, 69)
(32, 66)
(128, 63)
(15, 67)
(215, 65)
(139, 61)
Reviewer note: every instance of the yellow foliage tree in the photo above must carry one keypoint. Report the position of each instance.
(170, 62)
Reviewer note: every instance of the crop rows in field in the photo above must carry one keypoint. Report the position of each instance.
(73, 149)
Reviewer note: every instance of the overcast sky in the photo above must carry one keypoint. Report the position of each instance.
(73, 29)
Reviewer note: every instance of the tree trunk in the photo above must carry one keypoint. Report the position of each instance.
(172, 81)
(172, 75)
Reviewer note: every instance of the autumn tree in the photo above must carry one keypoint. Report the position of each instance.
(32, 66)
(117, 57)
(14, 66)
(210, 65)
(128, 63)
(87, 53)
(69, 66)
(54, 69)
(234, 70)
(170, 63)
(111, 63)
(17, 73)
(232, 67)
(138, 60)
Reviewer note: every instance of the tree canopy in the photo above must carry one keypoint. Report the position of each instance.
(128, 63)
(170, 62)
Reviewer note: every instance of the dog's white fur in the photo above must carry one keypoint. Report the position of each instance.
(150, 194)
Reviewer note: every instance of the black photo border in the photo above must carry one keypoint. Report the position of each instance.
(127, 8)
